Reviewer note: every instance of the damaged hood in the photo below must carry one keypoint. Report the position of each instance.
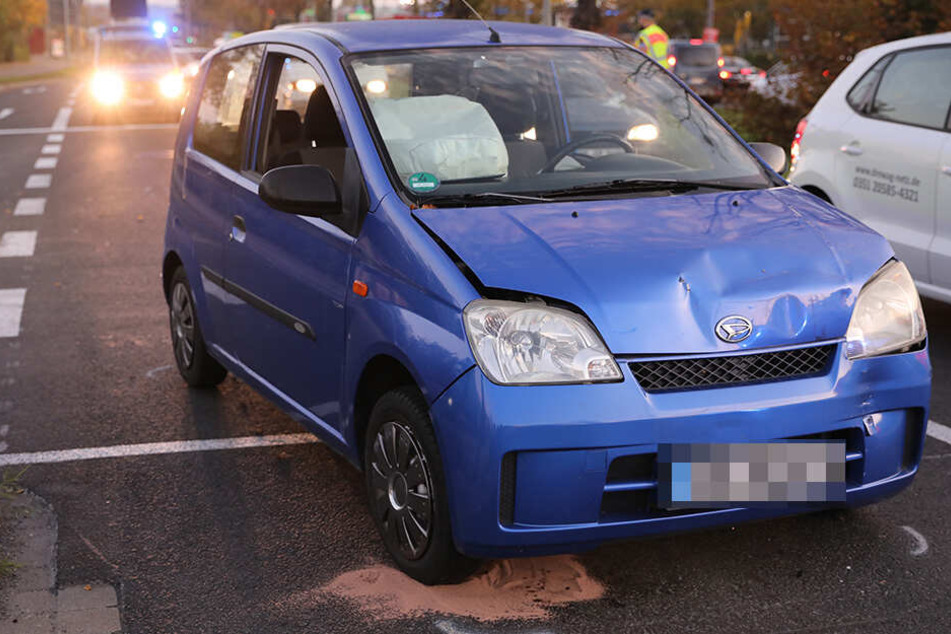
(656, 274)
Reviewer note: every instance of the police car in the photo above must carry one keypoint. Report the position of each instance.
(878, 145)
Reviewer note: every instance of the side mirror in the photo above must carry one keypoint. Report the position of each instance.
(774, 155)
(306, 190)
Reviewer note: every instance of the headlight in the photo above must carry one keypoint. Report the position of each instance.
(172, 85)
(107, 88)
(887, 315)
(523, 343)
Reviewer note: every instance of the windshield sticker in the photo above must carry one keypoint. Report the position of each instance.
(422, 182)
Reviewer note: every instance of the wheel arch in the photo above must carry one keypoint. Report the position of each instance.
(818, 193)
(381, 374)
(171, 262)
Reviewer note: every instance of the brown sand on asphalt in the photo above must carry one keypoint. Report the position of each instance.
(509, 589)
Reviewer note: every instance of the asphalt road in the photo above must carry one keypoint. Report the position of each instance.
(242, 540)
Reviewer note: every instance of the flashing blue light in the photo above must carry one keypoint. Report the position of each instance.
(159, 28)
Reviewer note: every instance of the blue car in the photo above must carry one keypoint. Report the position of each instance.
(534, 288)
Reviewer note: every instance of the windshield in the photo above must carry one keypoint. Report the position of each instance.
(119, 52)
(542, 120)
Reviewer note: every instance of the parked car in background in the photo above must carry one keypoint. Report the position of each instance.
(698, 64)
(527, 330)
(738, 72)
(878, 145)
(135, 75)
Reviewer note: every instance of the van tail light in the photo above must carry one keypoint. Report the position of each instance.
(762, 73)
(671, 61)
(796, 145)
(720, 62)
(725, 74)
(696, 41)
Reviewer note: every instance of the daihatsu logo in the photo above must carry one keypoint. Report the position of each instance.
(734, 329)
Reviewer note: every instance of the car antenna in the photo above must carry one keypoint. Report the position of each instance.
(494, 35)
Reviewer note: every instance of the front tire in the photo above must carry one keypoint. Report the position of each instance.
(407, 490)
(197, 367)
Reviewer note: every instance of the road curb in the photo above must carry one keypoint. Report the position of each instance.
(30, 602)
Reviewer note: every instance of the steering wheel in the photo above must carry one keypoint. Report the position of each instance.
(570, 149)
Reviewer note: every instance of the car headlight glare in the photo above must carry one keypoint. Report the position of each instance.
(887, 315)
(107, 88)
(172, 85)
(525, 343)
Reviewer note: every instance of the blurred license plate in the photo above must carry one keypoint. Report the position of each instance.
(696, 81)
(750, 474)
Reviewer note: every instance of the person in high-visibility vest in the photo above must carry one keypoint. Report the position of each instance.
(651, 39)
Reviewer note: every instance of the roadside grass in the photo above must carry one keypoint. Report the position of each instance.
(9, 490)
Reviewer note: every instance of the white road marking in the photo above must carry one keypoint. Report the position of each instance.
(45, 163)
(55, 138)
(51, 149)
(448, 627)
(62, 118)
(939, 431)
(6, 112)
(154, 371)
(71, 103)
(128, 127)
(155, 448)
(921, 544)
(11, 308)
(34, 90)
(39, 181)
(75, 91)
(30, 207)
(17, 244)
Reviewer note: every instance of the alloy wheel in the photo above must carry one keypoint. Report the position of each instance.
(183, 326)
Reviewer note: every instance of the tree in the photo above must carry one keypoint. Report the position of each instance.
(17, 17)
(586, 16)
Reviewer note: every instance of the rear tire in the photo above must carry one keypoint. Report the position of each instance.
(407, 490)
(197, 367)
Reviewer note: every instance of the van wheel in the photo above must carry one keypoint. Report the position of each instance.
(197, 367)
(407, 490)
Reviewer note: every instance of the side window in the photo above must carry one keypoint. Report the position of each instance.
(916, 88)
(860, 96)
(225, 105)
(303, 127)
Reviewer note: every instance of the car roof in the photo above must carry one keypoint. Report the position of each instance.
(382, 35)
(909, 42)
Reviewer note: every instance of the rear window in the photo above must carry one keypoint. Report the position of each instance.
(117, 52)
(700, 55)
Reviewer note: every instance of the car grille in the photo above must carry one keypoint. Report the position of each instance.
(679, 374)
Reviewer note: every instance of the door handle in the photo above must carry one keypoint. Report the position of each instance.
(851, 150)
(238, 230)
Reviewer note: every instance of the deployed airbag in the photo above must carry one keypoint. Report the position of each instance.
(445, 135)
